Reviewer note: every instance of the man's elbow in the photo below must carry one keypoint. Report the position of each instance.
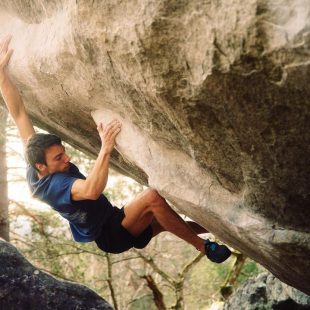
(93, 195)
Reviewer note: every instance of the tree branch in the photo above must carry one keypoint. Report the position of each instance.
(157, 294)
(110, 282)
(150, 261)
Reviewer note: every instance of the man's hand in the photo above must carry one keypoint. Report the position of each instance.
(108, 134)
(5, 54)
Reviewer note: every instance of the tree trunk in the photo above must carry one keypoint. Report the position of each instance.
(4, 202)
(110, 281)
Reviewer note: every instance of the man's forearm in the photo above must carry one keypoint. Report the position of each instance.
(11, 96)
(98, 177)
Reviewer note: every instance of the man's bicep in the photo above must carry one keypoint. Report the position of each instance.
(24, 126)
(79, 190)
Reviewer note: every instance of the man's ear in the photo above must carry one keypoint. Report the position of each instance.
(41, 167)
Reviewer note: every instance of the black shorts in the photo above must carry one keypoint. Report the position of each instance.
(114, 238)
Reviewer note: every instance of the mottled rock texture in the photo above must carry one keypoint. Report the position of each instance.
(265, 292)
(23, 287)
(214, 99)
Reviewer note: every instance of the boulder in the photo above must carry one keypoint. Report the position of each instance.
(24, 287)
(265, 292)
(213, 97)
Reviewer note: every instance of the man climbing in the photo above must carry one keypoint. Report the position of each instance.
(53, 179)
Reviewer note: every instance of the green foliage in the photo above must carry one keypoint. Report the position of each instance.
(250, 269)
(205, 282)
(142, 303)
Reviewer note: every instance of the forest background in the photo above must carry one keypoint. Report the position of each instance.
(167, 274)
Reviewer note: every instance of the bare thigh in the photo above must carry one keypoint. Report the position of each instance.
(137, 215)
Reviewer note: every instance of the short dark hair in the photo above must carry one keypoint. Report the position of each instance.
(36, 147)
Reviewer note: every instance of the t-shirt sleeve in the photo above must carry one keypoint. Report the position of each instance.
(58, 193)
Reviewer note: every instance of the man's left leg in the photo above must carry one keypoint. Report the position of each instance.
(157, 228)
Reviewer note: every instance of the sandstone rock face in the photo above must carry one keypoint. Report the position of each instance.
(22, 286)
(266, 292)
(214, 99)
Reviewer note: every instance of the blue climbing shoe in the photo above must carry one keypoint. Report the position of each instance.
(215, 252)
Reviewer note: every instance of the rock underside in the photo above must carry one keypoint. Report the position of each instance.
(213, 97)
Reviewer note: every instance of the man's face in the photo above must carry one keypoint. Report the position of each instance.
(56, 160)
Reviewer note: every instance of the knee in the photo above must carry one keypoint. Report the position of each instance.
(152, 197)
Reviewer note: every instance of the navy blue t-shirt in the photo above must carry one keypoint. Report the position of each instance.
(86, 217)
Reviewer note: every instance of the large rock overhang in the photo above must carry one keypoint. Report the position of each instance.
(214, 100)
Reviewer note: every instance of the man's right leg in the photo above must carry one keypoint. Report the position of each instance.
(140, 213)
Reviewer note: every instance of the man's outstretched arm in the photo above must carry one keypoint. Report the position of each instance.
(11, 95)
(97, 179)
